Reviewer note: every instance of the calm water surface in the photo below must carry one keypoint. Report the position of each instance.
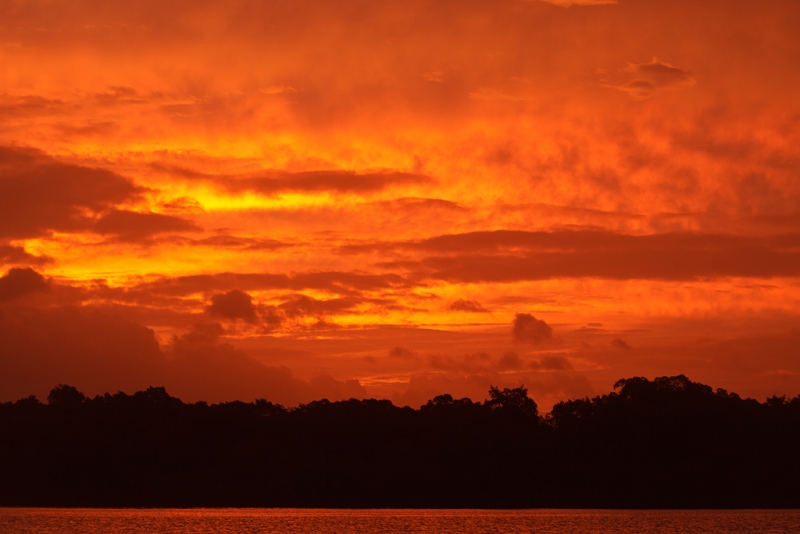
(202, 521)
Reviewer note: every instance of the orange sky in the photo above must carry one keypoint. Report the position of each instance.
(303, 199)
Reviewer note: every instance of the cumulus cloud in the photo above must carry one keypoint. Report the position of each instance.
(233, 305)
(528, 329)
(470, 306)
(643, 80)
(19, 282)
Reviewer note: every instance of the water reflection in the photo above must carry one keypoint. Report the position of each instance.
(290, 521)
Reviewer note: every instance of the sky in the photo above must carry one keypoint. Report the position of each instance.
(305, 199)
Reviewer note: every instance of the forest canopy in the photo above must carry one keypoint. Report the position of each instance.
(665, 443)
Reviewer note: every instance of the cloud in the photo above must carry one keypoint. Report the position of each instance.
(10, 254)
(527, 328)
(415, 207)
(136, 226)
(333, 281)
(507, 256)
(20, 282)
(242, 243)
(470, 306)
(234, 304)
(643, 80)
(304, 306)
(116, 95)
(510, 361)
(618, 343)
(322, 181)
(12, 106)
(93, 351)
(39, 194)
(552, 363)
(327, 387)
(99, 353)
(568, 3)
(546, 389)
(204, 369)
(402, 352)
(328, 181)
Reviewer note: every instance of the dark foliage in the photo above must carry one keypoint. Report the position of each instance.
(664, 443)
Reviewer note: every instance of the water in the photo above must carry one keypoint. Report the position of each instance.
(280, 521)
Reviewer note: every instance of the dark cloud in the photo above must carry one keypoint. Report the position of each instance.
(568, 3)
(510, 361)
(305, 306)
(203, 368)
(39, 194)
(333, 281)
(527, 328)
(552, 363)
(276, 182)
(327, 387)
(618, 343)
(98, 353)
(20, 282)
(475, 362)
(401, 352)
(234, 304)
(506, 256)
(29, 105)
(243, 243)
(101, 129)
(13, 255)
(341, 281)
(182, 205)
(135, 226)
(322, 181)
(545, 388)
(206, 369)
(116, 95)
(470, 306)
(643, 80)
(414, 204)
(95, 352)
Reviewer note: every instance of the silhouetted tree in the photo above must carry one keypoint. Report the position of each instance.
(667, 442)
(516, 398)
(64, 395)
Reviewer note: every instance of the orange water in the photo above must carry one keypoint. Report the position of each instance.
(223, 521)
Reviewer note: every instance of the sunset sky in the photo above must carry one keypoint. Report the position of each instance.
(297, 199)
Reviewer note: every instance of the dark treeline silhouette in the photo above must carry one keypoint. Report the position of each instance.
(664, 443)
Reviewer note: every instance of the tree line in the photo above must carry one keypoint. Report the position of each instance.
(665, 443)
